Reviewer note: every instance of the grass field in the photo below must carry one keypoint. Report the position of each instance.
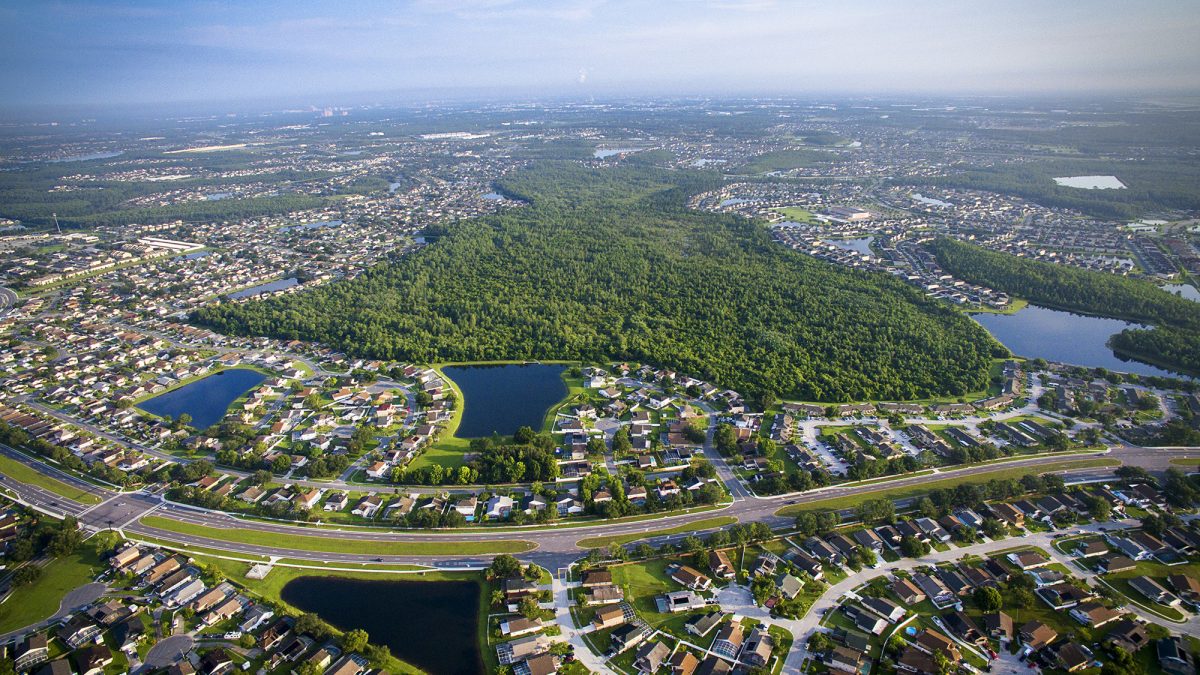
(706, 524)
(796, 214)
(40, 600)
(26, 474)
(839, 503)
(336, 545)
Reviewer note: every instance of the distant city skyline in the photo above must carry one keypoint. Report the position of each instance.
(96, 53)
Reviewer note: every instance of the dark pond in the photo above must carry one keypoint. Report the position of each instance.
(504, 398)
(430, 624)
(1038, 332)
(206, 399)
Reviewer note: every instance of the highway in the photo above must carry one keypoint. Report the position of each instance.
(555, 546)
(8, 299)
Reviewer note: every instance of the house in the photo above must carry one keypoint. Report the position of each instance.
(679, 601)
(757, 648)
(907, 591)
(1128, 635)
(337, 501)
(92, 659)
(1062, 595)
(915, 661)
(998, 625)
(884, 608)
(1094, 614)
(466, 507)
(934, 589)
(31, 652)
(1036, 635)
(215, 662)
(1173, 656)
(1072, 656)
(683, 663)
(78, 631)
(689, 577)
(1091, 548)
(602, 595)
(1153, 591)
(542, 664)
(368, 506)
(1115, 563)
(845, 659)
(932, 642)
(520, 649)
(499, 507)
(1027, 560)
(1187, 587)
(728, 641)
(702, 624)
(520, 626)
(651, 656)
(713, 666)
(607, 617)
(720, 565)
(789, 586)
(594, 578)
(628, 636)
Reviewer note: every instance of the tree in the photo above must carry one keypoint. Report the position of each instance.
(524, 436)
(355, 640)
(260, 477)
(988, 599)
(818, 642)
(504, 566)
(528, 608)
(26, 575)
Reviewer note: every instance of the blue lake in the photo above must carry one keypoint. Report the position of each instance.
(504, 398)
(1038, 332)
(206, 399)
(859, 244)
(270, 286)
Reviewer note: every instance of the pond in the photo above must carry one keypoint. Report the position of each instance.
(602, 153)
(270, 286)
(1187, 291)
(860, 245)
(1038, 332)
(504, 398)
(430, 624)
(1091, 182)
(206, 399)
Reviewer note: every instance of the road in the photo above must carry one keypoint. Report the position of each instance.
(8, 299)
(556, 547)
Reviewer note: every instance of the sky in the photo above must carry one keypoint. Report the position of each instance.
(94, 52)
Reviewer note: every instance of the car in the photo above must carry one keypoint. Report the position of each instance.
(233, 635)
(379, 560)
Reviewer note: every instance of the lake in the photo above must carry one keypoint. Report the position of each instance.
(88, 157)
(1091, 182)
(1187, 291)
(860, 244)
(929, 200)
(430, 624)
(270, 286)
(1038, 332)
(504, 398)
(609, 152)
(207, 399)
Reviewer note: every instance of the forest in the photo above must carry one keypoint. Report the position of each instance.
(1177, 349)
(610, 264)
(1063, 287)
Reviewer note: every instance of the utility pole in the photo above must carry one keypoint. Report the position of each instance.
(56, 226)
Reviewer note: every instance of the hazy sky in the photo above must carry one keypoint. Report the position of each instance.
(94, 51)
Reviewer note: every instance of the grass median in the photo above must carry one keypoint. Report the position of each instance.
(337, 544)
(926, 486)
(706, 524)
(31, 476)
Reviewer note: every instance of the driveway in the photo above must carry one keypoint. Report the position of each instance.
(167, 652)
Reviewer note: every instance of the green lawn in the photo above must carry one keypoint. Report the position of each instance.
(642, 582)
(838, 503)
(27, 474)
(336, 545)
(796, 214)
(706, 524)
(40, 600)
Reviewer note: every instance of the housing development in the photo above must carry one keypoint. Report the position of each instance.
(575, 356)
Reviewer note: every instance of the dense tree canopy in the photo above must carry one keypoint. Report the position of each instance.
(610, 264)
(1068, 288)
